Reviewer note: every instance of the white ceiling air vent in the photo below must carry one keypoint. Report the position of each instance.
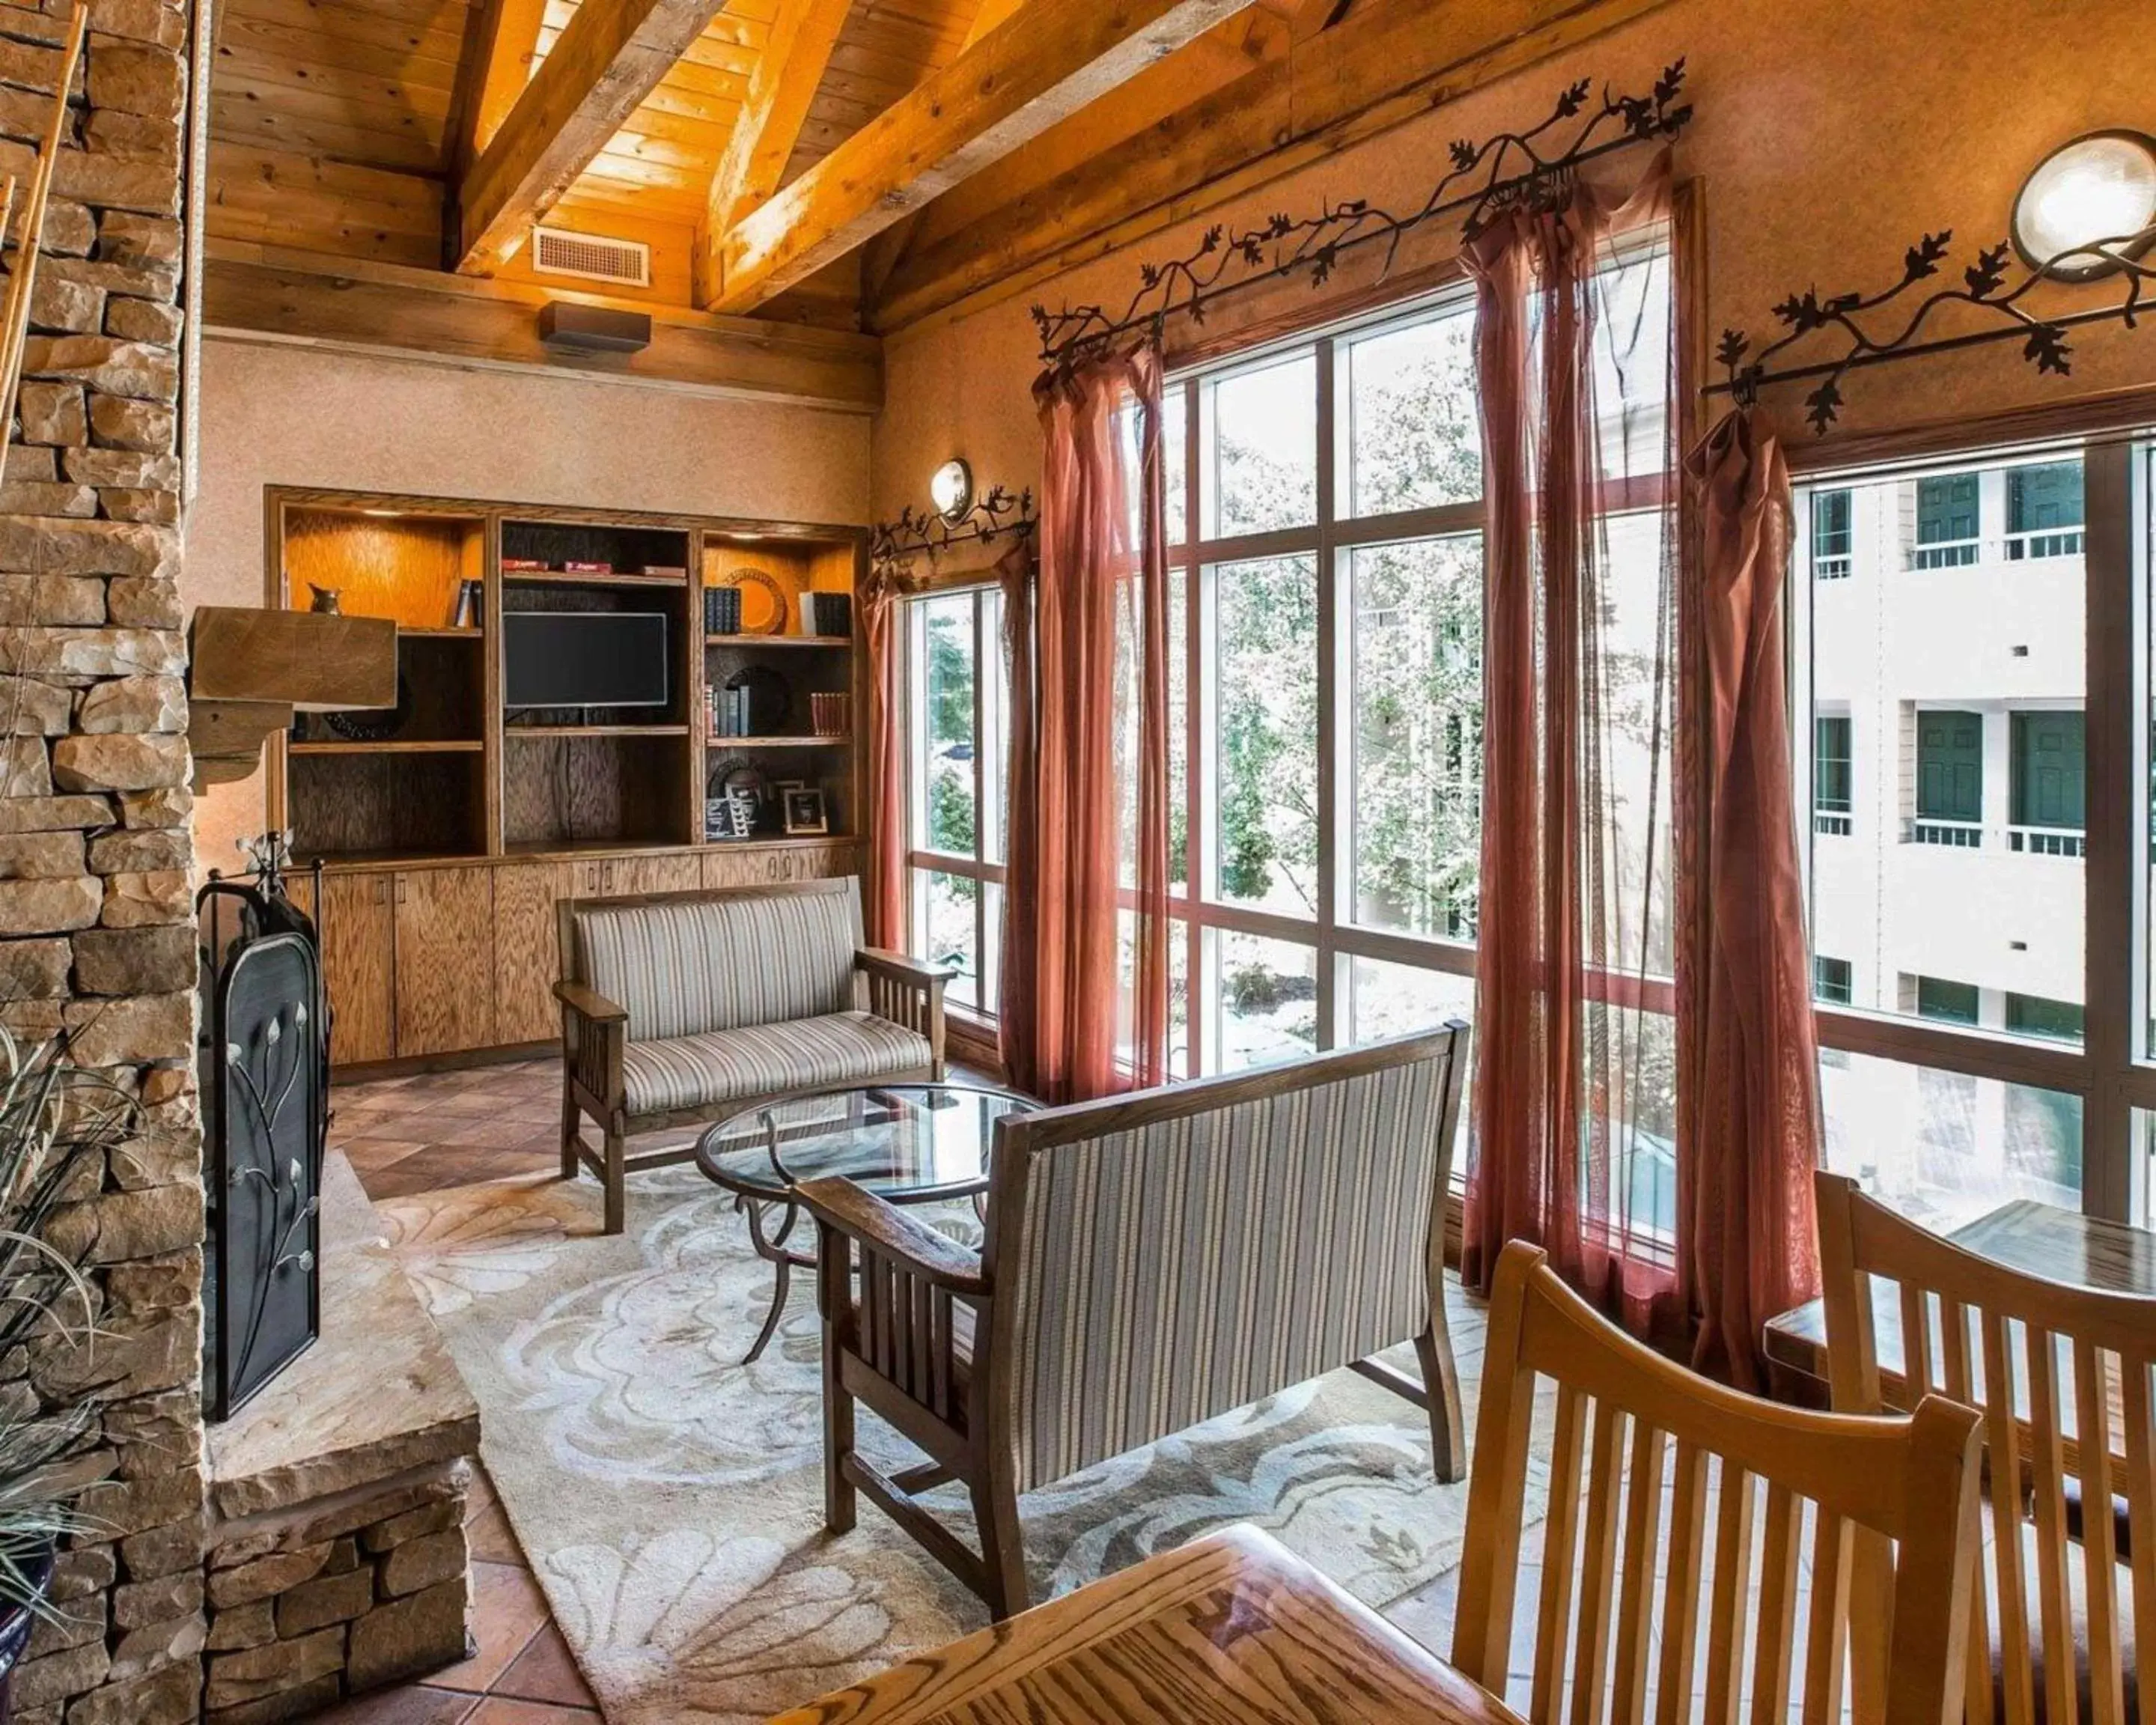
(594, 257)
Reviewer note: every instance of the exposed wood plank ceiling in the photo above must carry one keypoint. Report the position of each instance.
(348, 128)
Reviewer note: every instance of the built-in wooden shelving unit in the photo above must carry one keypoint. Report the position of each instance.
(449, 828)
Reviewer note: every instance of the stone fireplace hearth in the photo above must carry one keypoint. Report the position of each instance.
(336, 1552)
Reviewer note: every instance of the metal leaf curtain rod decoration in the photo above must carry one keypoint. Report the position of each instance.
(1512, 170)
(1989, 286)
(932, 531)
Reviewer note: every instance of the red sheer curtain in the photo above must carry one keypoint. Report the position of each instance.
(1747, 1237)
(1575, 1046)
(1089, 745)
(883, 909)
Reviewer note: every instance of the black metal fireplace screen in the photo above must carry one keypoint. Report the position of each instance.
(263, 1060)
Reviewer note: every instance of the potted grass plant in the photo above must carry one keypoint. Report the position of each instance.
(57, 1121)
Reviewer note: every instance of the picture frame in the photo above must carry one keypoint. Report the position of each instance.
(803, 807)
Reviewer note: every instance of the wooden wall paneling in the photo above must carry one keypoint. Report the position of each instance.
(445, 940)
(255, 288)
(357, 925)
(526, 962)
(316, 203)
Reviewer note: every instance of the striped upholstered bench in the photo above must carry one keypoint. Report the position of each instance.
(681, 1008)
(1152, 1260)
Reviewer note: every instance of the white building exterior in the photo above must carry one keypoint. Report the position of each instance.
(1946, 872)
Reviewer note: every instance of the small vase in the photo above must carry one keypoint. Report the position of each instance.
(16, 1624)
(326, 599)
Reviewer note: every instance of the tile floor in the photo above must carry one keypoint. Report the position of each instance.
(406, 1135)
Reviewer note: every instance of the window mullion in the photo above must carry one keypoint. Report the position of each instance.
(1329, 637)
(2116, 641)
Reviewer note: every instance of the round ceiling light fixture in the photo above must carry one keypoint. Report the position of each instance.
(2090, 205)
(951, 489)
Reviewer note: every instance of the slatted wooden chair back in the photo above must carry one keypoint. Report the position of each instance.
(2062, 1376)
(1679, 1517)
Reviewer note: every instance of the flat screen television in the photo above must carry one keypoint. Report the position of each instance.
(584, 659)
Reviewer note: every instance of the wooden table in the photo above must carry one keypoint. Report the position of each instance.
(1232, 1630)
(2039, 1239)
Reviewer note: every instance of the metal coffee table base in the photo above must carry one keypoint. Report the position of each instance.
(772, 1248)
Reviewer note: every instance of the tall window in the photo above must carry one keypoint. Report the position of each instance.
(1328, 694)
(1327, 702)
(1991, 1039)
(955, 787)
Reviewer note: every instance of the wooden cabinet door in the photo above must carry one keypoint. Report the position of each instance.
(627, 876)
(766, 864)
(525, 961)
(358, 935)
(444, 957)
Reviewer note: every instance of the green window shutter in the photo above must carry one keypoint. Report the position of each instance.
(1949, 766)
(2050, 776)
(1830, 535)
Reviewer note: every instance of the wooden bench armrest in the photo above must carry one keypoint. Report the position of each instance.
(889, 1233)
(589, 1004)
(908, 992)
(900, 968)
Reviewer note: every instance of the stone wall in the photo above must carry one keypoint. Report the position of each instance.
(95, 851)
(307, 1608)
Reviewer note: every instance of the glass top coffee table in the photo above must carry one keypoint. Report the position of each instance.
(907, 1143)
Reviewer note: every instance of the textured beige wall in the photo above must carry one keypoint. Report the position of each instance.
(1829, 136)
(283, 415)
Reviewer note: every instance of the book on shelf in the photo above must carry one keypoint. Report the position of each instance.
(577, 566)
(721, 610)
(470, 601)
(673, 571)
(829, 715)
(522, 566)
(827, 613)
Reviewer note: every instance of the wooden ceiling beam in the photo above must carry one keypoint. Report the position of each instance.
(1019, 80)
(611, 56)
(503, 42)
(992, 14)
(780, 90)
(1062, 204)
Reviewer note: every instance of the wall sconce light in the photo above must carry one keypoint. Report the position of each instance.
(2100, 187)
(951, 489)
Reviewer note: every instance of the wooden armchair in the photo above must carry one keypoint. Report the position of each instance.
(1605, 1579)
(2061, 1375)
(1151, 1261)
(682, 1008)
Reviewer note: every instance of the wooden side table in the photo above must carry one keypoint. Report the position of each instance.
(1231, 1630)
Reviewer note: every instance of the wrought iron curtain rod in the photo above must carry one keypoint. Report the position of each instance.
(1985, 289)
(931, 531)
(1222, 264)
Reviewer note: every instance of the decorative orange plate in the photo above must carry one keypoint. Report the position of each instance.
(763, 602)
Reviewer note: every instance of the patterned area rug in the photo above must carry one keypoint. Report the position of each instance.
(670, 1499)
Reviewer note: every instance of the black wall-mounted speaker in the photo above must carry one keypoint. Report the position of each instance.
(592, 329)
